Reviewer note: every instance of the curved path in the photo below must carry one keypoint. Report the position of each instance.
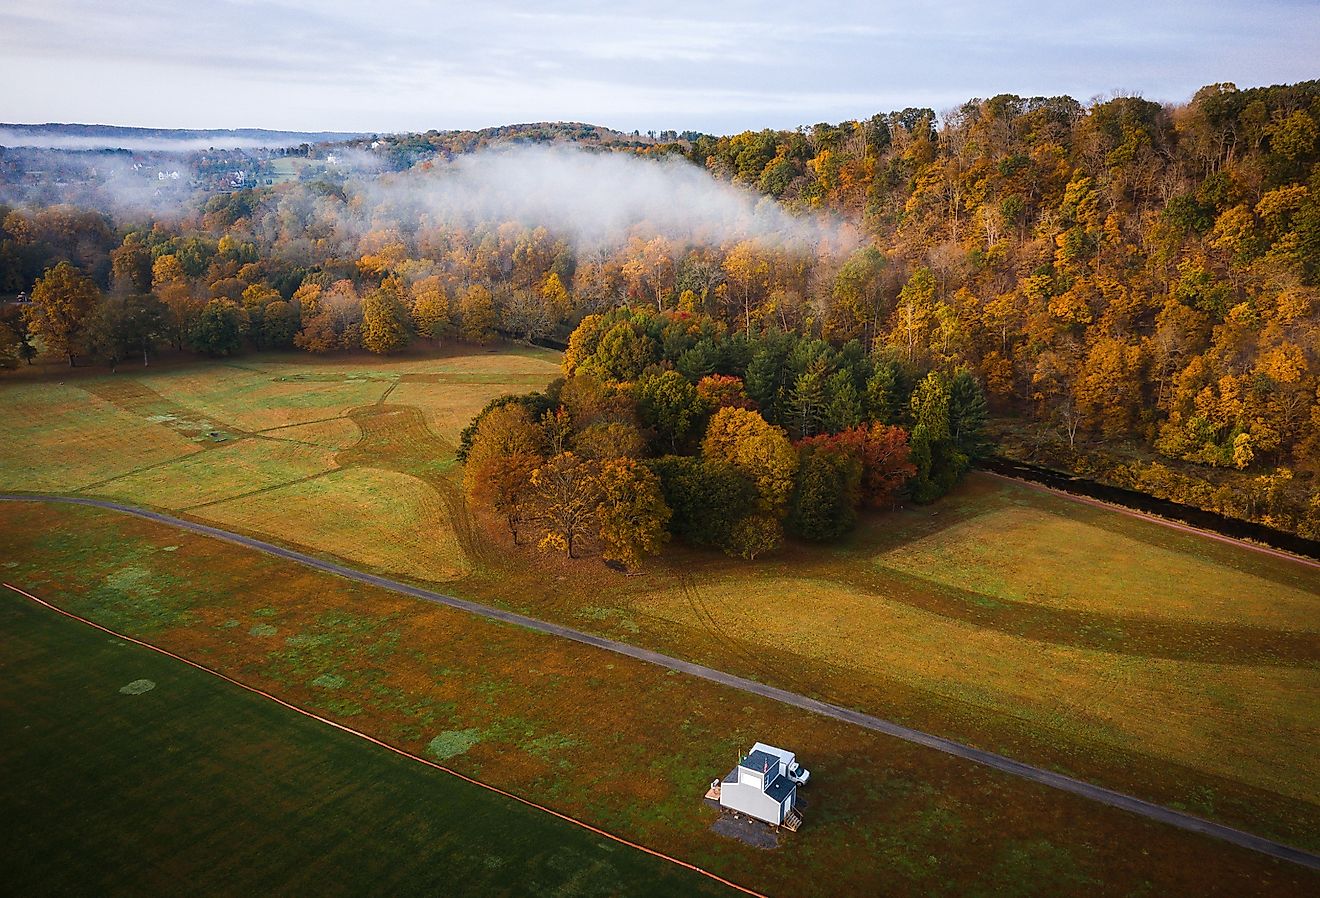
(1001, 763)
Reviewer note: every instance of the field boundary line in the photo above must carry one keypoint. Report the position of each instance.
(1157, 519)
(398, 751)
(1030, 772)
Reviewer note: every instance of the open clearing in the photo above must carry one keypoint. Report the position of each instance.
(1159, 663)
(619, 743)
(343, 455)
(168, 776)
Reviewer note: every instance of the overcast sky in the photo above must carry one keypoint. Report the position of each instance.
(718, 65)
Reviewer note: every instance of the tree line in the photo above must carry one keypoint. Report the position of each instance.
(1133, 284)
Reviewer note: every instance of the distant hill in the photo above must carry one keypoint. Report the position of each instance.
(58, 135)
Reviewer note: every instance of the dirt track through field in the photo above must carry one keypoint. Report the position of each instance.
(1028, 772)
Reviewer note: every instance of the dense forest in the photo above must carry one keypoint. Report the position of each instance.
(1134, 286)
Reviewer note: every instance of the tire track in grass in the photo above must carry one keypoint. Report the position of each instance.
(398, 751)
(1001, 763)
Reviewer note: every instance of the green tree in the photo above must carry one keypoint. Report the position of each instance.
(808, 402)
(279, 325)
(622, 353)
(843, 406)
(218, 330)
(668, 403)
(15, 338)
(938, 460)
(707, 499)
(124, 325)
(967, 414)
(826, 493)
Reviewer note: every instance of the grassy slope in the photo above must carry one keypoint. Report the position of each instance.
(1214, 711)
(1164, 664)
(615, 741)
(197, 785)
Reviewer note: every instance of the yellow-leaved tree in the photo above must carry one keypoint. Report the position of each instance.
(763, 452)
(632, 513)
(61, 309)
(430, 308)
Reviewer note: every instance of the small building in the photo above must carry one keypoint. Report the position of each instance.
(764, 786)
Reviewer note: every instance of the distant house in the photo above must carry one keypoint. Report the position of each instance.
(764, 786)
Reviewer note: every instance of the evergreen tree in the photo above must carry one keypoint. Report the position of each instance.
(826, 493)
(843, 408)
(218, 330)
(967, 414)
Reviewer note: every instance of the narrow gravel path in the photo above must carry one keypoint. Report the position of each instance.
(1001, 763)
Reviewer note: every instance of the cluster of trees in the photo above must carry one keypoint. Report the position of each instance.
(640, 441)
(1136, 285)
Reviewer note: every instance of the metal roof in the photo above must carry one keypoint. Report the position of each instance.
(781, 789)
(760, 761)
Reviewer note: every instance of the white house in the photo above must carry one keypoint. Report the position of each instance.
(764, 786)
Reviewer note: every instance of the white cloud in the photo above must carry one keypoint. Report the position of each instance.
(413, 65)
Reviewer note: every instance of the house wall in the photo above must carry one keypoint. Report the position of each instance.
(752, 801)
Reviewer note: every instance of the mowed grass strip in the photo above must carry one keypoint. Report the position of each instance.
(380, 519)
(1027, 554)
(236, 468)
(58, 437)
(621, 744)
(129, 773)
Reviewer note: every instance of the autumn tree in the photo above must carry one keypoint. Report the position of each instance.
(384, 321)
(504, 449)
(62, 304)
(430, 308)
(169, 281)
(476, 315)
(632, 514)
(717, 391)
(131, 266)
(743, 439)
(564, 502)
(884, 455)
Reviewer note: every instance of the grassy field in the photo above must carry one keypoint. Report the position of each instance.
(1178, 668)
(171, 781)
(290, 447)
(622, 744)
